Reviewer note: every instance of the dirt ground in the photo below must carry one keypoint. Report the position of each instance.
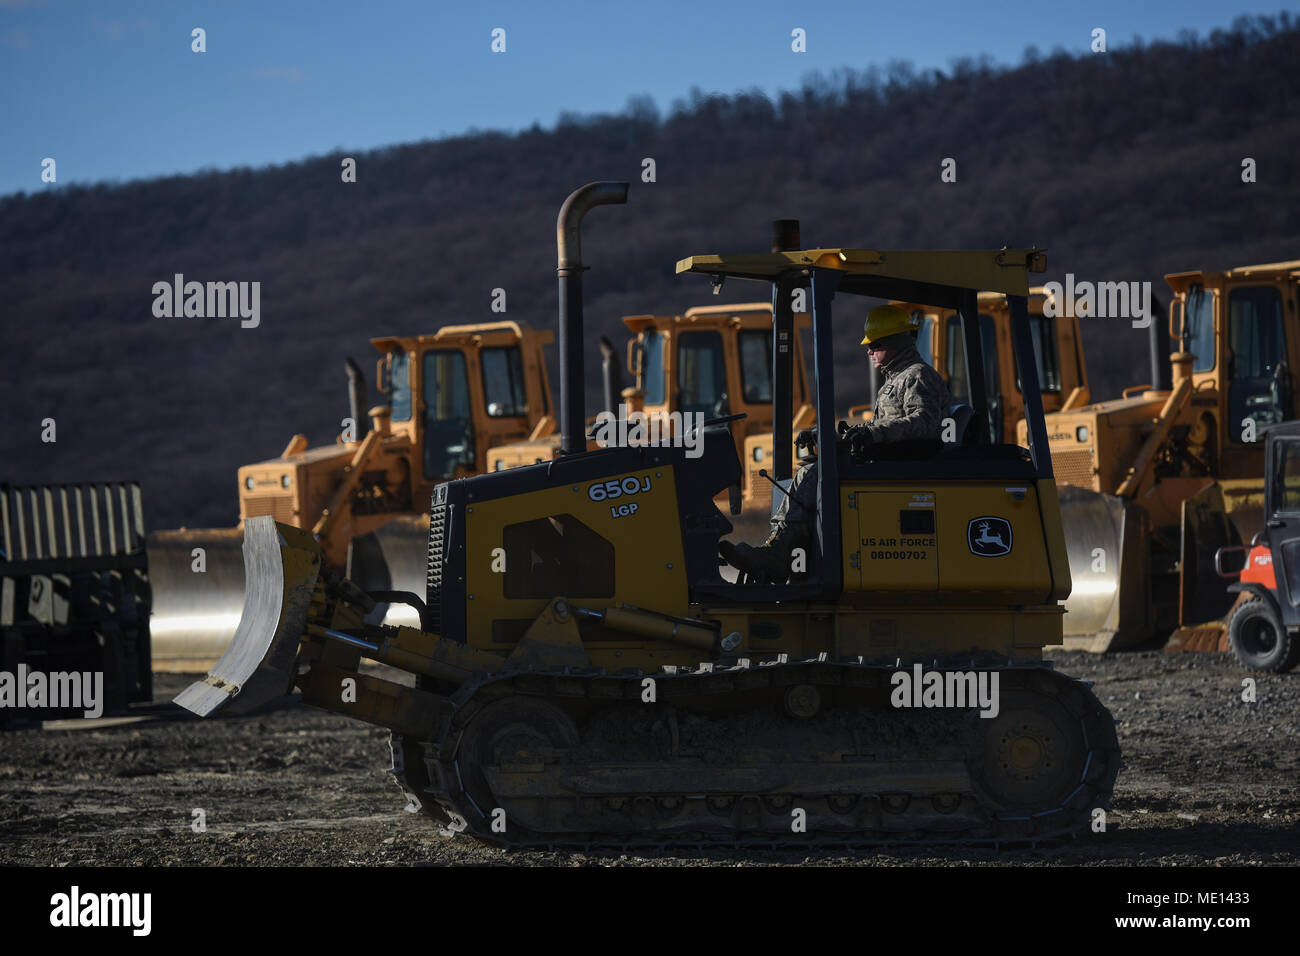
(1208, 780)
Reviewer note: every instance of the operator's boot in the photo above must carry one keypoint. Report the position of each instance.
(772, 559)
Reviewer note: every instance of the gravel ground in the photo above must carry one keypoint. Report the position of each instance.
(1208, 780)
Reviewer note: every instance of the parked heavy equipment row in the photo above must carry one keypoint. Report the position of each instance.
(448, 398)
(1161, 478)
(75, 588)
(585, 676)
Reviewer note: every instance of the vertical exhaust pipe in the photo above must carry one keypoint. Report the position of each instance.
(357, 399)
(785, 235)
(568, 241)
(611, 376)
(1158, 344)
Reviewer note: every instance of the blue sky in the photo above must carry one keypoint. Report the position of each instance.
(112, 90)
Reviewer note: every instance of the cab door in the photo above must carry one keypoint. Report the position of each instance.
(1283, 508)
(505, 415)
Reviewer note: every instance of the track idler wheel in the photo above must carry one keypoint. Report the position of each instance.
(1034, 754)
(515, 734)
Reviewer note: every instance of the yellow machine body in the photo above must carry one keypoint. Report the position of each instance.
(585, 676)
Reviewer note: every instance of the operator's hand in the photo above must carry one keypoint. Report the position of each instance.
(806, 438)
(860, 441)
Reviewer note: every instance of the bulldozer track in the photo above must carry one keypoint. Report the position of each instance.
(880, 778)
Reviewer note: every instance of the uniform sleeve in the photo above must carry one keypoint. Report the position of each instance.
(924, 404)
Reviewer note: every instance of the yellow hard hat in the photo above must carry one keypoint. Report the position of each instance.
(884, 321)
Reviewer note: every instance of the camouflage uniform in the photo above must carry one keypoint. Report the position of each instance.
(910, 405)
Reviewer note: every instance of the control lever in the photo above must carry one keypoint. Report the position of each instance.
(775, 484)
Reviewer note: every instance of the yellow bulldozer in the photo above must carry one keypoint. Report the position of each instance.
(584, 676)
(1153, 483)
(448, 398)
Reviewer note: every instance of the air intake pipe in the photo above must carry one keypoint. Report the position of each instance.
(568, 241)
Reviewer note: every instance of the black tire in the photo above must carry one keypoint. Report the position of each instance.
(1258, 638)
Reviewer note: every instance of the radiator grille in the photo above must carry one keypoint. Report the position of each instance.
(437, 556)
(279, 507)
(1074, 468)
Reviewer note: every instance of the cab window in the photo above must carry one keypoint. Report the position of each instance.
(503, 382)
(1287, 490)
(756, 365)
(652, 367)
(924, 342)
(448, 420)
(701, 374)
(959, 384)
(399, 379)
(1042, 331)
(1200, 327)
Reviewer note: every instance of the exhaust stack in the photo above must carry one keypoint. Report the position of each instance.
(610, 375)
(357, 399)
(568, 241)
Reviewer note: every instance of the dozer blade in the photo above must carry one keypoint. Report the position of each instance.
(281, 566)
(1108, 541)
(196, 597)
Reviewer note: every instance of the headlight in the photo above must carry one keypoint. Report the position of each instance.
(284, 481)
(1081, 433)
(248, 482)
(758, 453)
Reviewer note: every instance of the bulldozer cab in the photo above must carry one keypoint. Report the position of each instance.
(1058, 357)
(714, 361)
(457, 393)
(878, 521)
(1236, 328)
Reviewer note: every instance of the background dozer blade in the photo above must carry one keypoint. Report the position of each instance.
(393, 557)
(1109, 607)
(195, 613)
(281, 564)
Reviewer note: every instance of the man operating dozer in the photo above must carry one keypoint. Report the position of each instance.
(910, 406)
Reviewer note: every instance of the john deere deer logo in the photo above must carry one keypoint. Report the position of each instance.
(989, 537)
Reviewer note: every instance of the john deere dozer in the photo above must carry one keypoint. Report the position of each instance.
(585, 676)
